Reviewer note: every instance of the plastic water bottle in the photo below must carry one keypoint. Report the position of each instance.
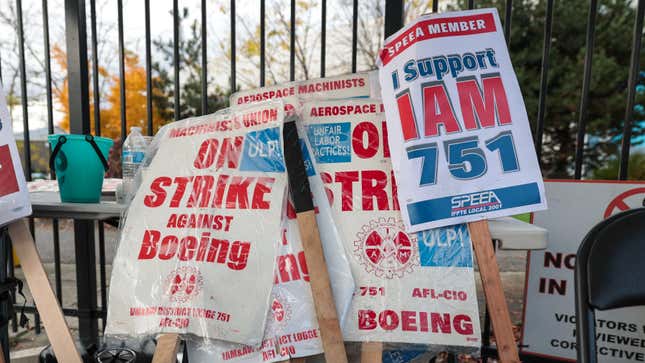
(134, 149)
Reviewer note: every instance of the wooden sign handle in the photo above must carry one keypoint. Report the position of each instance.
(371, 352)
(50, 312)
(166, 350)
(330, 333)
(492, 283)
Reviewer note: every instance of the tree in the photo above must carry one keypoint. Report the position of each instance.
(110, 117)
(608, 85)
(190, 82)
(636, 168)
(371, 23)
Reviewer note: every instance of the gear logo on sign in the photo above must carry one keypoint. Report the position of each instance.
(280, 312)
(384, 248)
(184, 283)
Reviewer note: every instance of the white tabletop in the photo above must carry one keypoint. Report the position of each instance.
(514, 234)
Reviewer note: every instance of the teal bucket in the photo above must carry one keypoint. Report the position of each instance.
(80, 161)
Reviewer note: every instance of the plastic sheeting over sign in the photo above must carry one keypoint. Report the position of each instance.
(337, 262)
(14, 197)
(292, 329)
(198, 247)
(411, 288)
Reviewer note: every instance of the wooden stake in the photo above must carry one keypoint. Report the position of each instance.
(294, 360)
(166, 350)
(492, 283)
(330, 333)
(50, 312)
(371, 352)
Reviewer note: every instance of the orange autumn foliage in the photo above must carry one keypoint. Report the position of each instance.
(110, 113)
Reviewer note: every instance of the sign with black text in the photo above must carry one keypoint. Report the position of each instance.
(549, 315)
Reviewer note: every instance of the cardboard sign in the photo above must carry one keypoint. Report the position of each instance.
(354, 85)
(198, 248)
(459, 134)
(292, 328)
(14, 197)
(337, 263)
(549, 315)
(287, 93)
(410, 288)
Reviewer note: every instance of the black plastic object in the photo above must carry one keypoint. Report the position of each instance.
(298, 180)
(608, 275)
(113, 350)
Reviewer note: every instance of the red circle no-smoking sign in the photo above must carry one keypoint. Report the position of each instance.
(632, 198)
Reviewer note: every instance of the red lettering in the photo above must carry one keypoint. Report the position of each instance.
(407, 116)
(481, 110)
(202, 185)
(238, 196)
(437, 110)
(346, 179)
(149, 244)
(262, 187)
(206, 154)
(168, 247)
(358, 140)
(158, 193)
(373, 183)
(187, 247)
(366, 320)
(388, 319)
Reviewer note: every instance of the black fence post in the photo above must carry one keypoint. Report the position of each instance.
(394, 14)
(79, 112)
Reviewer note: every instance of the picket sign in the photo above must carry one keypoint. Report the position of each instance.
(331, 335)
(46, 303)
(460, 137)
(14, 205)
(178, 291)
(167, 347)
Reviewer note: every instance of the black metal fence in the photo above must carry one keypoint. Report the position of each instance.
(79, 70)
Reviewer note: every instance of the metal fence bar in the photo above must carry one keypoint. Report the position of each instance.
(435, 6)
(631, 91)
(586, 80)
(26, 146)
(233, 73)
(394, 16)
(175, 58)
(148, 68)
(354, 35)
(508, 14)
(292, 42)
(122, 89)
(95, 70)
(102, 274)
(323, 35)
(50, 129)
(471, 4)
(544, 78)
(204, 62)
(76, 41)
(262, 43)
